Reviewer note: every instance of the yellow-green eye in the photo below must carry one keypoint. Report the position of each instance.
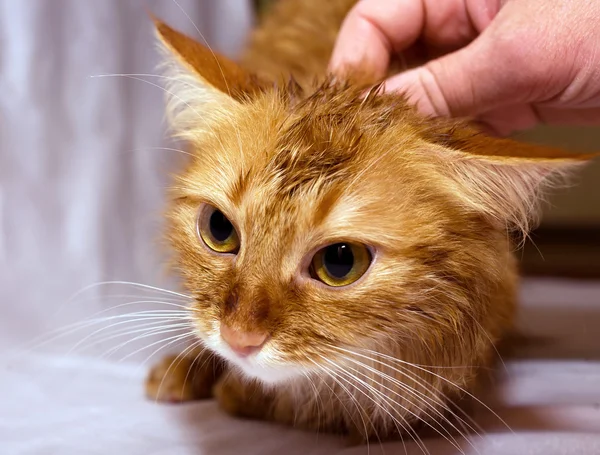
(216, 231)
(340, 264)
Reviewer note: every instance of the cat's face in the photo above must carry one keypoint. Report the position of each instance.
(298, 223)
(309, 227)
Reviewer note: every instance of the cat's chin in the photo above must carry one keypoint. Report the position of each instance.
(269, 375)
(260, 366)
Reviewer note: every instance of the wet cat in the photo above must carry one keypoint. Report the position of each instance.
(349, 260)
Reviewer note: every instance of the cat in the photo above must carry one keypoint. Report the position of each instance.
(349, 260)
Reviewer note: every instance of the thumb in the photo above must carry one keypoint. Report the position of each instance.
(463, 83)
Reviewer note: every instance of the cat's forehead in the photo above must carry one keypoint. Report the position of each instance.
(327, 137)
(294, 166)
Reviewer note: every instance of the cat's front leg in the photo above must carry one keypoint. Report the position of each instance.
(247, 398)
(178, 378)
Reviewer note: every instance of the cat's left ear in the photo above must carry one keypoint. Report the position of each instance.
(201, 83)
(501, 178)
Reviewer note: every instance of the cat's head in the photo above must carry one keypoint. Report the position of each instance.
(309, 226)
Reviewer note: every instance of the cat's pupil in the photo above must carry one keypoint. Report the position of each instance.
(220, 227)
(338, 260)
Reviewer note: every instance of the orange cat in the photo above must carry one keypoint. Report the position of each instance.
(349, 259)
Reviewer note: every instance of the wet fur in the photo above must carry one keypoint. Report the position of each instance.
(299, 165)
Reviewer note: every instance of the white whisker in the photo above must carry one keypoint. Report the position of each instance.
(405, 426)
(429, 372)
(129, 321)
(148, 330)
(174, 338)
(421, 397)
(207, 45)
(146, 334)
(436, 400)
(180, 356)
(389, 400)
(193, 365)
(63, 332)
(361, 411)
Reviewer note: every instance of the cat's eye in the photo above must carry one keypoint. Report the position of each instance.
(216, 231)
(340, 264)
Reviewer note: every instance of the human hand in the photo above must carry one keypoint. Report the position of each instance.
(508, 64)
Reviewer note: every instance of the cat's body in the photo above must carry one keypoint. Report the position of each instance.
(297, 38)
(297, 168)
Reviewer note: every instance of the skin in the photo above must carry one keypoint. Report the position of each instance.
(508, 64)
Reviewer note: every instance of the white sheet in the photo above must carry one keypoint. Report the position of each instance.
(81, 189)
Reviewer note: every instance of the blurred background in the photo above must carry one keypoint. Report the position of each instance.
(567, 243)
(84, 155)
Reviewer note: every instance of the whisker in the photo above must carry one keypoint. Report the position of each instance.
(179, 81)
(62, 332)
(134, 284)
(405, 427)
(430, 372)
(425, 385)
(339, 400)
(183, 302)
(399, 384)
(138, 328)
(225, 81)
(422, 396)
(361, 411)
(167, 91)
(168, 149)
(207, 45)
(148, 333)
(195, 345)
(374, 429)
(165, 318)
(180, 356)
(388, 399)
(174, 338)
(316, 398)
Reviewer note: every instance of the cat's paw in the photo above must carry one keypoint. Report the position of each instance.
(241, 398)
(171, 380)
(230, 395)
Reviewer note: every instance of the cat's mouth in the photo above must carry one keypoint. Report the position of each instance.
(263, 365)
(264, 362)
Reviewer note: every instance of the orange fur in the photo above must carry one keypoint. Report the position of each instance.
(302, 165)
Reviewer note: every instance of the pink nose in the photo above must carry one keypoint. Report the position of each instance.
(242, 343)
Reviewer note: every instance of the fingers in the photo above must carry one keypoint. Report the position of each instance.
(508, 59)
(375, 29)
(449, 86)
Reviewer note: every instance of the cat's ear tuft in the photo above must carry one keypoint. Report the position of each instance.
(504, 179)
(215, 70)
(202, 84)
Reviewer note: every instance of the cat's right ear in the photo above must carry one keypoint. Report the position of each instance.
(201, 83)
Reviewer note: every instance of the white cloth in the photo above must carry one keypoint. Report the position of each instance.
(81, 191)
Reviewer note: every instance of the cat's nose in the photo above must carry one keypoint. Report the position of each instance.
(243, 343)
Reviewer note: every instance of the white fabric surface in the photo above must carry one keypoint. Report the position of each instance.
(81, 189)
